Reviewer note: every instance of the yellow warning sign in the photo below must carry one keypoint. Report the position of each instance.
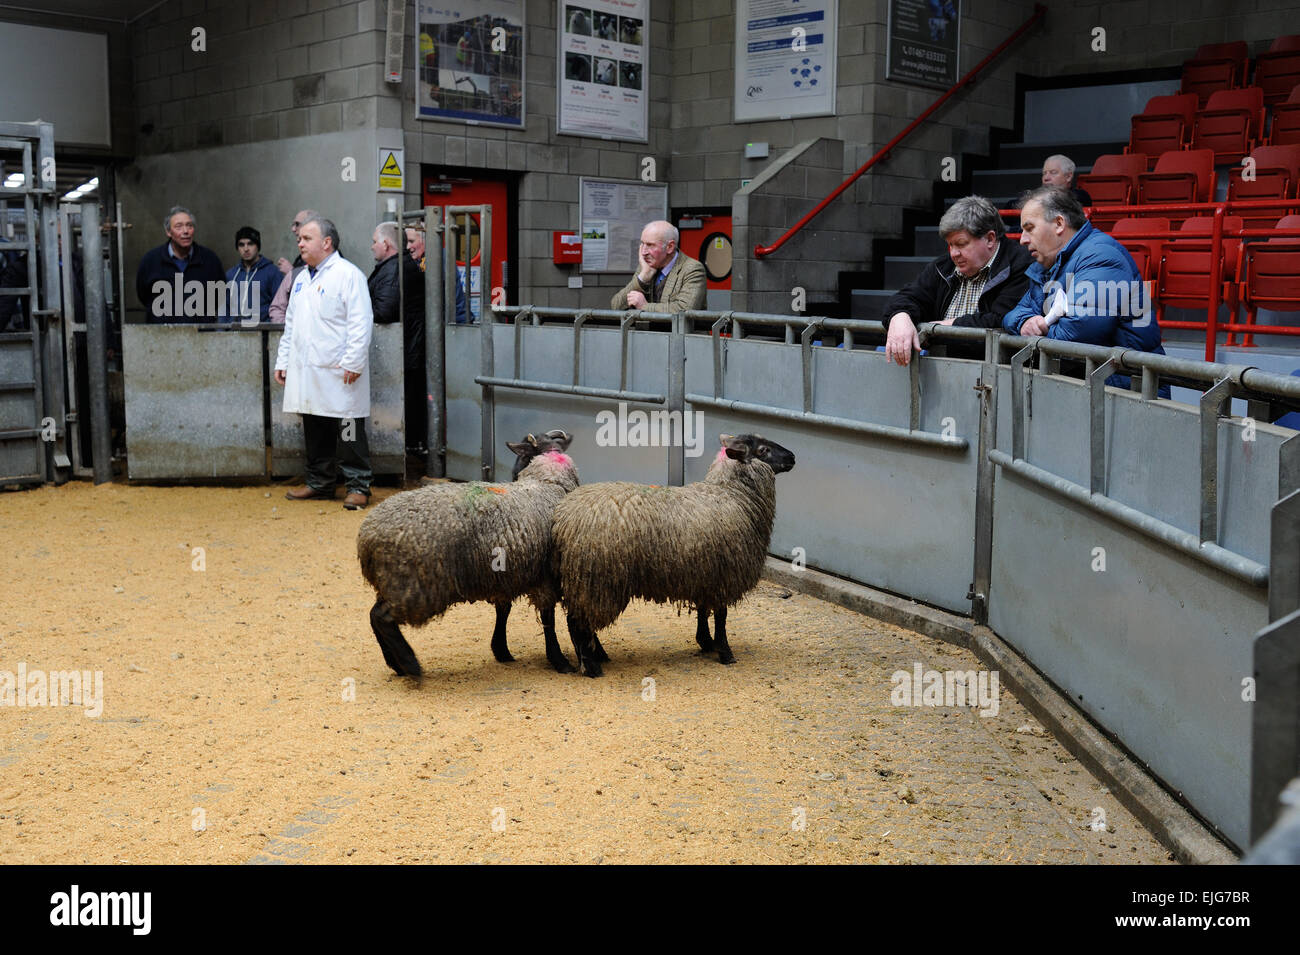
(390, 169)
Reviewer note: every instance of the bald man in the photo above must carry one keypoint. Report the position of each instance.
(668, 280)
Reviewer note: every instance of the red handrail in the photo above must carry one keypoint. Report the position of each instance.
(968, 79)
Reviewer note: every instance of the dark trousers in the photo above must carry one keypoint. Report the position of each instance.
(327, 450)
(417, 408)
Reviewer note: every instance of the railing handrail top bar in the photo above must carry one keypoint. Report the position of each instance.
(1212, 206)
(1246, 376)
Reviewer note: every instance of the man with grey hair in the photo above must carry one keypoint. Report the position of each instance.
(172, 281)
(391, 303)
(1058, 171)
(322, 362)
(667, 280)
(980, 278)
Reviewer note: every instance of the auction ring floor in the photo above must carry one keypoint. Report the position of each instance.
(248, 716)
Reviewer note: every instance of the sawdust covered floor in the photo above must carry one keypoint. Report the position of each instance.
(247, 715)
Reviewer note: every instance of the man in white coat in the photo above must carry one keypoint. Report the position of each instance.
(322, 363)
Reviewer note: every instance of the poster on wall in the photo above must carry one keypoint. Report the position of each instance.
(924, 39)
(612, 213)
(469, 61)
(785, 59)
(603, 74)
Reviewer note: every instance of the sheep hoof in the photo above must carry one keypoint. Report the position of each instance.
(561, 664)
(503, 656)
(726, 656)
(706, 646)
(592, 668)
(600, 653)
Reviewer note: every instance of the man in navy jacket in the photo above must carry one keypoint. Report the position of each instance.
(172, 282)
(253, 282)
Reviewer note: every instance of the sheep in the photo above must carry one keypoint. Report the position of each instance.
(427, 549)
(702, 545)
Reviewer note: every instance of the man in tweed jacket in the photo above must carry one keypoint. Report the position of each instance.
(668, 280)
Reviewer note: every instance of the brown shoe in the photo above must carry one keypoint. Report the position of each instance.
(356, 500)
(309, 493)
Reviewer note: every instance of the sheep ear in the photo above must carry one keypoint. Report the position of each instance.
(735, 447)
(521, 448)
(562, 438)
(531, 439)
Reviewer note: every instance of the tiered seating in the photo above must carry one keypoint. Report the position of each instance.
(1278, 71)
(1271, 273)
(1113, 181)
(1276, 175)
(1164, 124)
(1145, 252)
(1182, 280)
(1285, 129)
(1231, 123)
(1216, 66)
(1179, 177)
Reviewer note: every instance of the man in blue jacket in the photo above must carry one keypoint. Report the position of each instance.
(180, 281)
(1083, 285)
(253, 282)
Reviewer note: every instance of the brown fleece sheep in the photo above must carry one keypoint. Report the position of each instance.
(701, 545)
(427, 549)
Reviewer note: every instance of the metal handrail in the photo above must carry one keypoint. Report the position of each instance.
(968, 80)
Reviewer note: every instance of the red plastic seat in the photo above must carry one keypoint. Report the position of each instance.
(1270, 274)
(1113, 181)
(1165, 124)
(1231, 123)
(1275, 174)
(1278, 71)
(1179, 177)
(1216, 66)
(1183, 277)
(1285, 129)
(1145, 252)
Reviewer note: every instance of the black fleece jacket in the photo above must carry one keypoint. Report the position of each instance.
(926, 298)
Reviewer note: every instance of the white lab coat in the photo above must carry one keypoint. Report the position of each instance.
(327, 329)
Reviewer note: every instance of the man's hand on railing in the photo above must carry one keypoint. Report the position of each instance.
(1034, 326)
(902, 339)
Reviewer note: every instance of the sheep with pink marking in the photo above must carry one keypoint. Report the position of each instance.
(702, 545)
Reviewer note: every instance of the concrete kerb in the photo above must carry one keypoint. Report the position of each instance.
(1168, 820)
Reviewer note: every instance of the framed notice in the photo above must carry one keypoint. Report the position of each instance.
(612, 213)
(469, 61)
(603, 69)
(924, 40)
(785, 59)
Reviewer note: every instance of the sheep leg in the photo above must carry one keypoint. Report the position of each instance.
(598, 650)
(702, 636)
(397, 652)
(499, 648)
(559, 662)
(720, 636)
(584, 638)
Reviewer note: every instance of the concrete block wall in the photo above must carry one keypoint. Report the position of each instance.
(270, 70)
(549, 164)
(814, 257)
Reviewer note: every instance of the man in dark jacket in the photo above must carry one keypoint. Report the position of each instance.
(253, 282)
(981, 278)
(384, 302)
(180, 281)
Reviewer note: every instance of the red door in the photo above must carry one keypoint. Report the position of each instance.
(457, 190)
(711, 244)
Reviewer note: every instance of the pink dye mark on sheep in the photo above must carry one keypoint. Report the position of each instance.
(722, 453)
(559, 457)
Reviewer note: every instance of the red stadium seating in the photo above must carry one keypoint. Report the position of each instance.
(1179, 177)
(1276, 175)
(1285, 129)
(1113, 181)
(1231, 123)
(1278, 71)
(1165, 124)
(1183, 278)
(1216, 66)
(1271, 274)
(1145, 252)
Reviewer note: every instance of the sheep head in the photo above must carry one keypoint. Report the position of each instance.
(747, 447)
(531, 446)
